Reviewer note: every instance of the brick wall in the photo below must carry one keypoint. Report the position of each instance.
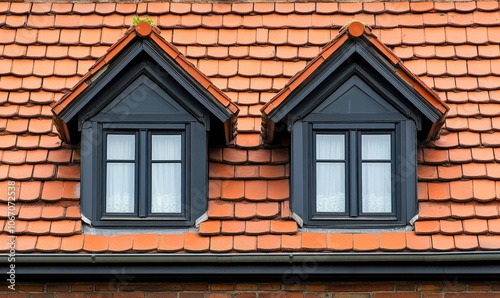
(446, 288)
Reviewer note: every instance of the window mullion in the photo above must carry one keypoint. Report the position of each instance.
(143, 162)
(353, 174)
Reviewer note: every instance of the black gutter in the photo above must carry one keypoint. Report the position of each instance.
(278, 266)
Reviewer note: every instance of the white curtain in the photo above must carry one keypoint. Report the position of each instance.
(120, 175)
(376, 176)
(330, 147)
(166, 147)
(330, 187)
(166, 176)
(330, 176)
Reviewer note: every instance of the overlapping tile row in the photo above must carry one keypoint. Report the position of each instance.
(248, 193)
(250, 51)
(192, 242)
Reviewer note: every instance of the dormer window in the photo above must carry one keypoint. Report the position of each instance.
(143, 114)
(355, 115)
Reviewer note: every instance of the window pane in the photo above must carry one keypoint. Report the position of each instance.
(166, 188)
(330, 147)
(166, 147)
(376, 188)
(330, 187)
(120, 188)
(121, 147)
(376, 147)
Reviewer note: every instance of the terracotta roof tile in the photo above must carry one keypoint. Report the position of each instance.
(72, 212)
(48, 244)
(255, 190)
(219, 209)
(211, 227)
(63, 227)
(73, 243)
(442, 242)
(52, 190)
(243, 243)
(232, 227)
(269, 243)
(145, 242)
(120, 243)
(257, 227)
(465, 150)
(484, 190)
(475, 226)
(26, 244)
(466, 242)
(462, 211)
(30, 191)
(195, 243)
(43, 171)
(245, 210)
(489, 242)
(291, 242)
(221, 243)
(486, 211)
(30, 213)
(427, 227)
(451, 227)
(283, 227)
(171, 242)
(365, 242)
(494, 226)
(393, 241)
(38, 227)
(96, 243)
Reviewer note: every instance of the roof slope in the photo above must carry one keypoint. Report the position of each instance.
(250, 51)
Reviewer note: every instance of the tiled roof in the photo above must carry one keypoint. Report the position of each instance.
(250, 51)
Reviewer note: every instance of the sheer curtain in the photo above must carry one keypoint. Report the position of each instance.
(120, 172)
(166, 174)
(330, 173)
(376, 173)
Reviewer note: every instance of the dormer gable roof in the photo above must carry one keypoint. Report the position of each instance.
(357, 39)
(148, 42)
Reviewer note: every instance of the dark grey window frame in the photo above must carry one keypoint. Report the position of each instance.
(142, 175)
(195, 176)
(404, 175)
(353, 181)
(355, 63)
(175, 100)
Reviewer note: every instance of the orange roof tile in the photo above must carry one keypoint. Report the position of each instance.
(251, 52)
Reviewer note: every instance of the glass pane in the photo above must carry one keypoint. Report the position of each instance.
(166, 188)
(166, 147)
(330, 187)
(120, 188)
(376, 147)
(376, 188)
(121, 147)
(330, 146)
